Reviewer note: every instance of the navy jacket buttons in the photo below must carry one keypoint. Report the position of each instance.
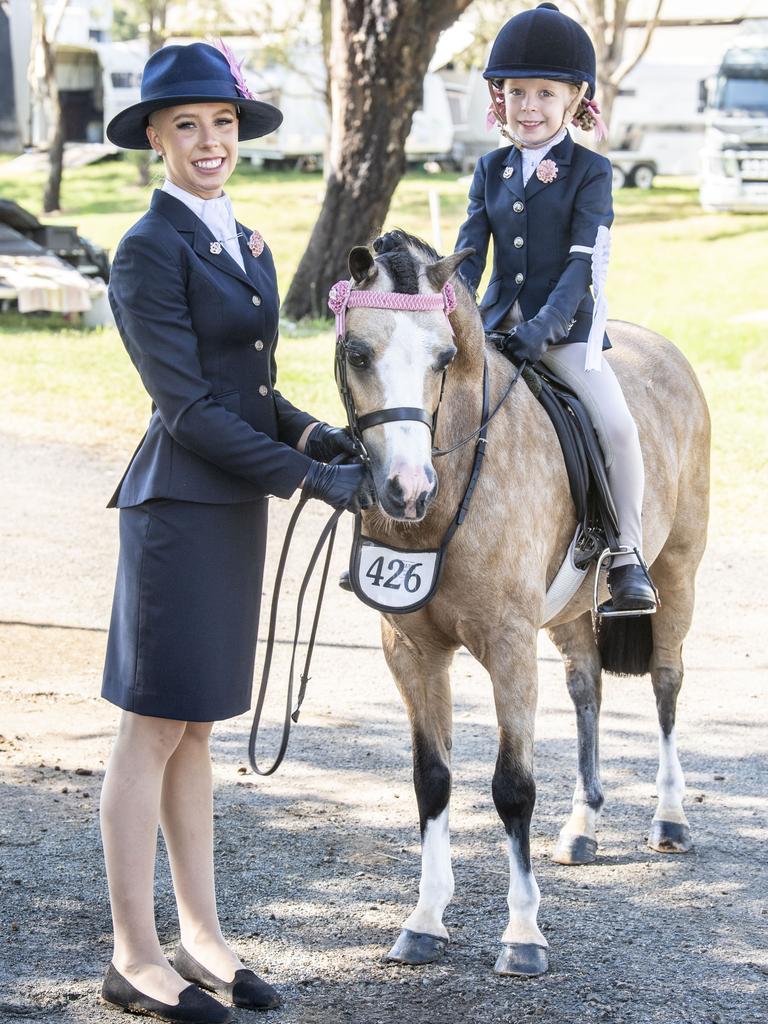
(256, 300)
(519, 242)
(519, 278)
(518, 207)
(263, 390)
(258, 345)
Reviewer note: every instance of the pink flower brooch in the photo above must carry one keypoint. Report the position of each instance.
(546, 171)
(256, 244)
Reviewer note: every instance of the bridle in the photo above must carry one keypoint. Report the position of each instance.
(340, 298)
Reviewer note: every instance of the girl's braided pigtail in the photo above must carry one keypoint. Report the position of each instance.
(588, 117)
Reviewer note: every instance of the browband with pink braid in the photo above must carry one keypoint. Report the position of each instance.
(341, 297)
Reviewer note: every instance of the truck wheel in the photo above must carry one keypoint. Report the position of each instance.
(642, 176)
(619, 177)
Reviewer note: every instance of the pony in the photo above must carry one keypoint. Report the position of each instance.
(491, 595)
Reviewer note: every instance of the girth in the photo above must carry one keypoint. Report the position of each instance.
(583, 456)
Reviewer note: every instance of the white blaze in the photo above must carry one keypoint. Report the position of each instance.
(403, 370)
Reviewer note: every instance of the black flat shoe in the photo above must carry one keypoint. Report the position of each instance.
(193, 1007)
(630, 589)
(246, 989)
(344, 581)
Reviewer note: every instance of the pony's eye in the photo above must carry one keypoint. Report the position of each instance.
(358, 360)
(445, 358)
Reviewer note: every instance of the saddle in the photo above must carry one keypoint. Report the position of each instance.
(584, 463)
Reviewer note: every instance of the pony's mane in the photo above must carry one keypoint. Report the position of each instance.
(401, 262)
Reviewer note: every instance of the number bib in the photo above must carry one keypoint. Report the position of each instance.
(393, 579)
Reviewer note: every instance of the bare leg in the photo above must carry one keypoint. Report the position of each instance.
(512, 665)
(422, 678)
(186, 816)
(577, 843)
(130, 811)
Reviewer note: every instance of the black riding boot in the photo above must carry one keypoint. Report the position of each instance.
(344, 581)
(630, 589)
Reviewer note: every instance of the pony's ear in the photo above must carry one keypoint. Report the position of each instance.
(361, 265)
(440, 272)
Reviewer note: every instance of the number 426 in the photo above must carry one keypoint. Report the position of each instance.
(411, 580)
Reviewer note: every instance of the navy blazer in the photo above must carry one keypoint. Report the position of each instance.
(202, 334)
(534, 229)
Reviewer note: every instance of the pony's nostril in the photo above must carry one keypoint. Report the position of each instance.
(394, 491)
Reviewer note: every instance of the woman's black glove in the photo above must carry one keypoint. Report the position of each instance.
(325, 442)
(349, 487)
(531, 339)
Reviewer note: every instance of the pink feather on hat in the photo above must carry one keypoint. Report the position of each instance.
(236, 67)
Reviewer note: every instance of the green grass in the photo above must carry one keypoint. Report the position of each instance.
(697, 277)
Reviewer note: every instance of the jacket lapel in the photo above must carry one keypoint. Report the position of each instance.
(197, 234)
(513, 181)
(561, 156)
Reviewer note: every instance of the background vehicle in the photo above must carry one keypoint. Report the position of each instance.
(734, 173)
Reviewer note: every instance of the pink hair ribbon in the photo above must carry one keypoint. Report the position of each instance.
(591, 113)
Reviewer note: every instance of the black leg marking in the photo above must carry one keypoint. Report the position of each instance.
(431, 780)
(585, 694)
(666, 687)
(514, 794)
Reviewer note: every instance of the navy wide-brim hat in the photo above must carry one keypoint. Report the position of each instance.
(543, 43)
(197, 73)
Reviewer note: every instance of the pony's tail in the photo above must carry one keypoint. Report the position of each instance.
(625, 644)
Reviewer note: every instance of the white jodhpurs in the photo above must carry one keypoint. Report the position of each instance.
(616, 431)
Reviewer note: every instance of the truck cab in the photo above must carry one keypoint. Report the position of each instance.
(734, 174)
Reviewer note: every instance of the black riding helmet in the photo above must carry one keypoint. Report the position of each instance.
(543, 43)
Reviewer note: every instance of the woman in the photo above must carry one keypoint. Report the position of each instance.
(195, 300)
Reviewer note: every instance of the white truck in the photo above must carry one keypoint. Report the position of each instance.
(734, 173)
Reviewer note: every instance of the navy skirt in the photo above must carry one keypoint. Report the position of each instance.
(182, 639)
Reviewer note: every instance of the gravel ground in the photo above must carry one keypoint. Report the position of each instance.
(318, 865)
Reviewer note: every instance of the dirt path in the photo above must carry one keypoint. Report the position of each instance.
(318, 866)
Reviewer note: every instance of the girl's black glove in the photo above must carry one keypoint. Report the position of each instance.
(349, 487)
(531, 339)
(325, 442)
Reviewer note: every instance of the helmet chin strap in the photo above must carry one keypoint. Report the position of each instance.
(515, 139)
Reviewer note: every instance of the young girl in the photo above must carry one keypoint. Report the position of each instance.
(547, 203)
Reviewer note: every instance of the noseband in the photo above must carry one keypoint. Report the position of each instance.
(341, 298)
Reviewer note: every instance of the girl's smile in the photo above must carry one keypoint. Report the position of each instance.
(537, 108)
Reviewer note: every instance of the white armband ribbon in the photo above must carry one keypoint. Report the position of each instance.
(600, 256)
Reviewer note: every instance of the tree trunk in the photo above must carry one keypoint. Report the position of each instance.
(380, 51)
(52, 194)
(157, 13)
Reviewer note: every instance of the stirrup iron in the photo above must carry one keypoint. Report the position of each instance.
(605, 610)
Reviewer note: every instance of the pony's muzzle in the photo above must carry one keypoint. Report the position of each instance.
(407, 493)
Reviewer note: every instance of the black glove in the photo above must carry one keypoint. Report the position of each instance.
(531, 339)
(349, 487)
(325, 442)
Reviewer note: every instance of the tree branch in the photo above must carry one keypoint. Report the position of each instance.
(55, 20)
(623, 69)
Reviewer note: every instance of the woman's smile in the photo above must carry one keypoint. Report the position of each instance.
(198, 143)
